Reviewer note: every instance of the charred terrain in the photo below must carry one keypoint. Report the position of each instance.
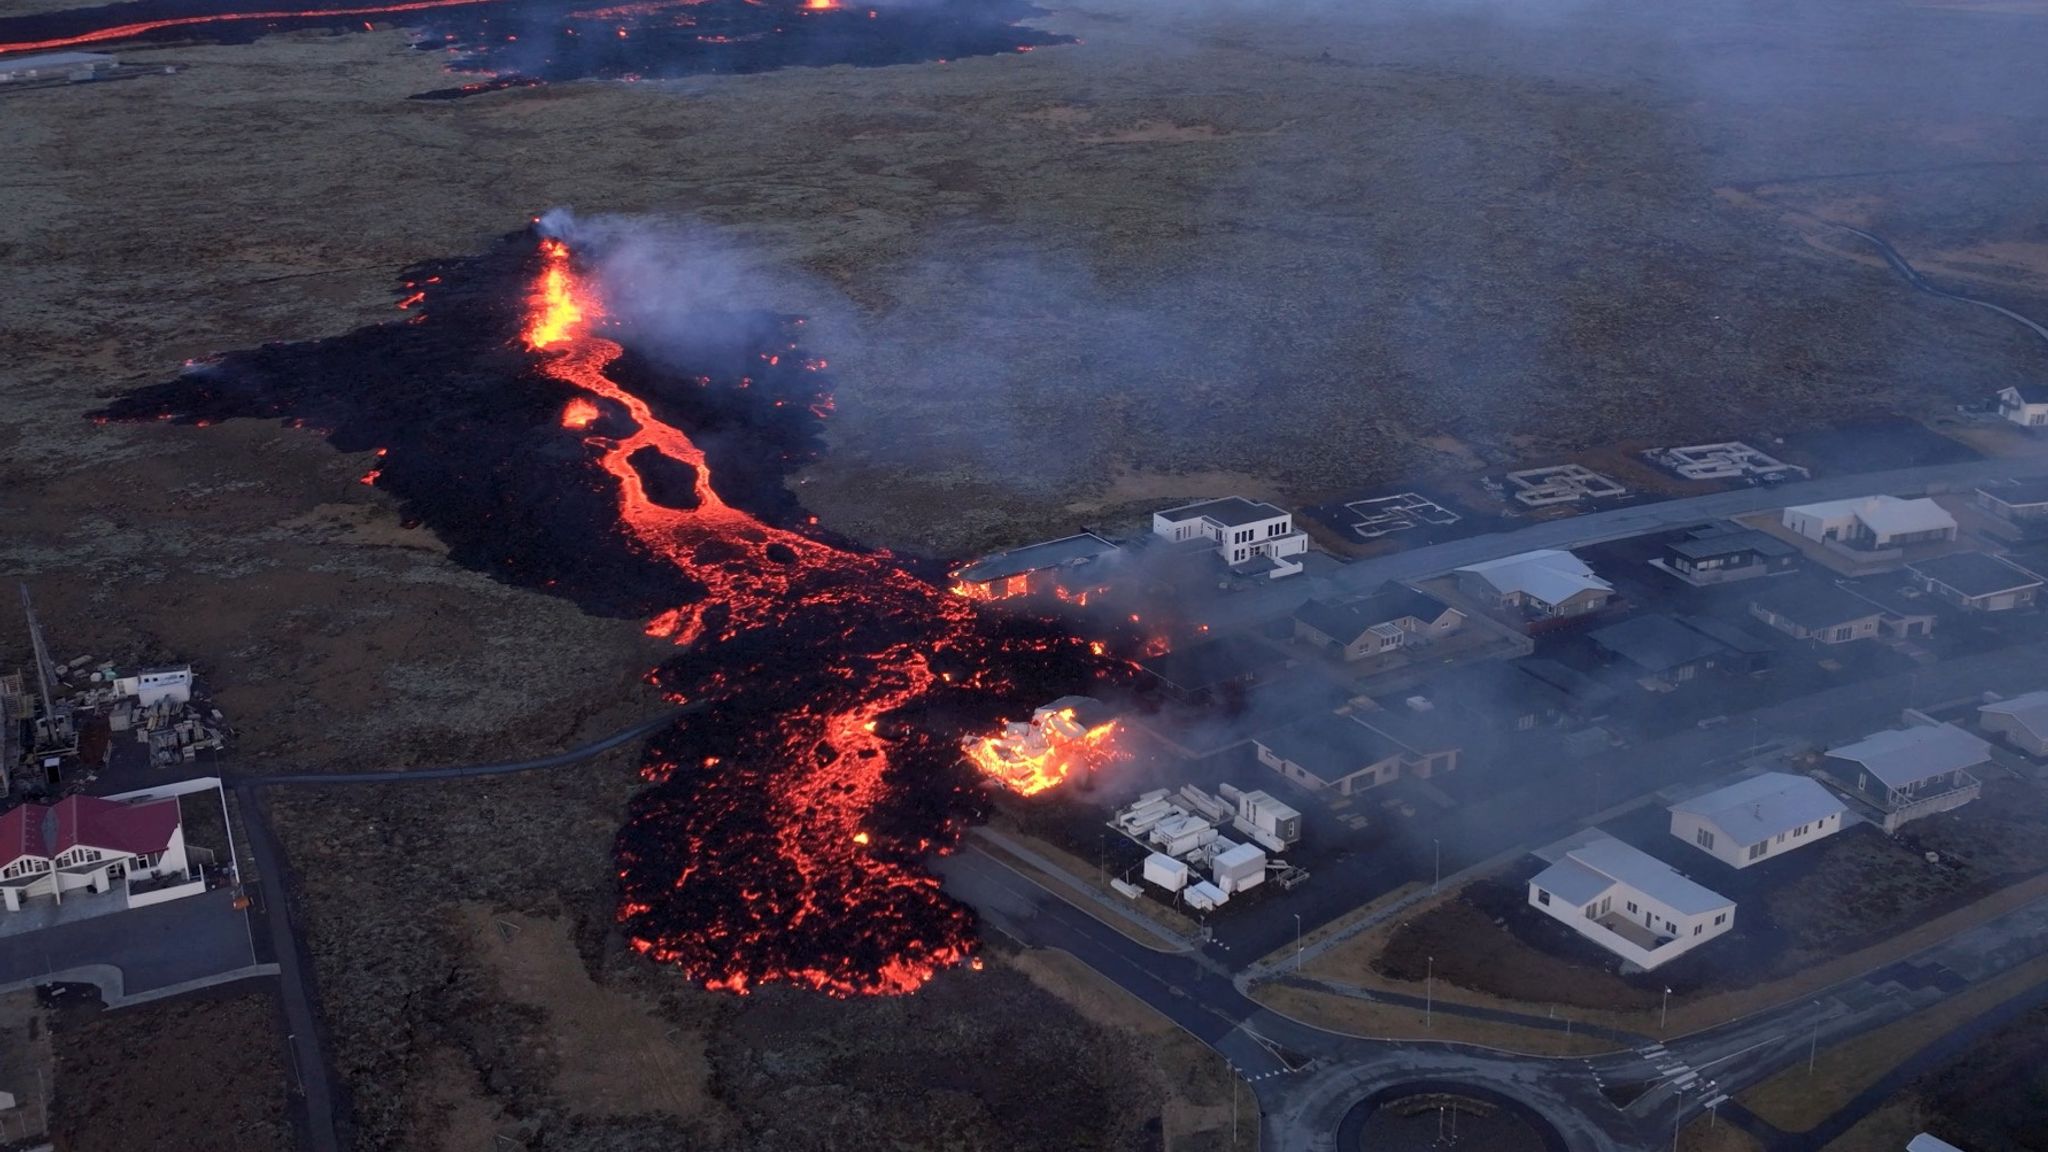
(1289, 250)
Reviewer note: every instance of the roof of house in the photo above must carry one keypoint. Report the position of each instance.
(1656, 642)
(2030, 711)
(1549, 575)
(1763, 806)
(2018, 492)
(1925, 1142)
(1493, 688)
(1646, 874)
(1572, 882)
(1036, 557)
(1229, 511)
(2031, 392)
(1330, 747)
(1884, 515)
(1348, 620)
(1731, 541)
(1813, 604)
(1579, 689)
(1213, 662)
(134, 829)
(1903, 756)
(1975, 574)
(1727, 635)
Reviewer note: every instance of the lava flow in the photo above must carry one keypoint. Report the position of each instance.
(786, 834)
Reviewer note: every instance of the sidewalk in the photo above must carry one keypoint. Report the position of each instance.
(1088, 898)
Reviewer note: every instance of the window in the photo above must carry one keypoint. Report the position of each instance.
(1632, 906)
(1698, 928)
(1721, 919)
(1757, 850)
(1542, 897)
(1704, 839)
(1844, 632)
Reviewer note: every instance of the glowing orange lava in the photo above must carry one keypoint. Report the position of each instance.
(130, 31)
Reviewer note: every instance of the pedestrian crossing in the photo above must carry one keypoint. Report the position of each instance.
(1683, 1078)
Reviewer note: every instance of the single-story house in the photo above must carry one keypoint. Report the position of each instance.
(1721, 553)
(87, 842)
(1546, 584)
(1244, 531)
(1872, 523)
(1816, 610)
(2022, 720)
(2024, 404)
(1396, 616)
(1630, 903)
(1202, 671)
(1977, 581)
(1907, 773)
(1747, 652)
(1032, 568)
(1495, 696)
(1585, 697)
(1657, 650)
(1343, 754)
(1750, 820)
(2018, 502)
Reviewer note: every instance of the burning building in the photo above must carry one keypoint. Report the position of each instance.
(1071, 735)
(1067, 567)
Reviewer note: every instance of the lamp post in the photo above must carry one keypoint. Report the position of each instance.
(1297, 942)
(1429, 994)
(1813, 1042)
(1439, 846)
(1664, 1013)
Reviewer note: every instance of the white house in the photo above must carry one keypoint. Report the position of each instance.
(1245, 532)
(154, 684)
(1546, 584)
(88, 842)
(1754, 819)
(1872, 523)
(1978, 581)
(1907, 773)
(1630, 903)
(2022, 720)
(2025, 405)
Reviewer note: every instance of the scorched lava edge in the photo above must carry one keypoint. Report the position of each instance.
(784, 831)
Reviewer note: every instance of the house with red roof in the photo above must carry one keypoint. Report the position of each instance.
(88, 842)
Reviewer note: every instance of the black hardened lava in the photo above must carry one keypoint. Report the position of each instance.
(517, 43)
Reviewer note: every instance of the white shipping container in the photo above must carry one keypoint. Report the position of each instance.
(1166, 872)
(1238, 869)
(1204, 896)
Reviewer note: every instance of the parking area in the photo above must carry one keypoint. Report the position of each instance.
(157, 948)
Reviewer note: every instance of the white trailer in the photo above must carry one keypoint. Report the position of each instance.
(1203, 896)
(1182, 834)
(1266, 820)
(1239, 868)
(1166, 872)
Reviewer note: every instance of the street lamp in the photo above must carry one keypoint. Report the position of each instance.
(1297, 942)
(1439, 846)
(1664, 1014)
(1429, 994)
(1813, 1042)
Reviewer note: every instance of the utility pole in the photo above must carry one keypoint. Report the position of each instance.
(1297, 943)
(1429, 994)
(1439, 846)
(42, 655)
(1813, 1042)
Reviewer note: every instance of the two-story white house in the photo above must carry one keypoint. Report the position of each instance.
(88, 842)
(1754, 819)
(1630, 903)
(2025, 405)
(1246, 533)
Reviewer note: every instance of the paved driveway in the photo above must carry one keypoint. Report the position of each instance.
(155, 948)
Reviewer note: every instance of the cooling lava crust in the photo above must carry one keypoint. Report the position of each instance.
(785, 830)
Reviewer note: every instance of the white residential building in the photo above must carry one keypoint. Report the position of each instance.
(1907, 773)
(2025, 405)
(88, 842)
(1754, 819)
(1246, 532)
(1872, 523)
(1546, 584)
(1630, 903)
(2022, 720)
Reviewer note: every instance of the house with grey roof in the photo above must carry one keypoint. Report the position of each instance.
(1547, 584)
(1721, 553)
(2021, 506)
(1345, 754)
(2024, 404)
(1396, 616)
(2022, 721)
(1977, 581)
(1817, 610)
(1903, 774)
(1765, 815)
(1629, 902)
(1657, 651)
(1031, 568)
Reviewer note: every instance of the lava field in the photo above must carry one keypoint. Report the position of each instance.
(784, 831)
(515, 43)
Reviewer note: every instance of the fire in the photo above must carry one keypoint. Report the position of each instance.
(557, 309)
(820, 5)
(1030, 758)
(579, 413)
(130, 31)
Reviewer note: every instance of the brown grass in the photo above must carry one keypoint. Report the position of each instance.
(1394, 1022)
(1711, 1134)
(1885, 1130)
(1086, 873)
(1796, 1100)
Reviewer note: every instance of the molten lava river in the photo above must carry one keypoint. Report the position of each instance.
(784, 830)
